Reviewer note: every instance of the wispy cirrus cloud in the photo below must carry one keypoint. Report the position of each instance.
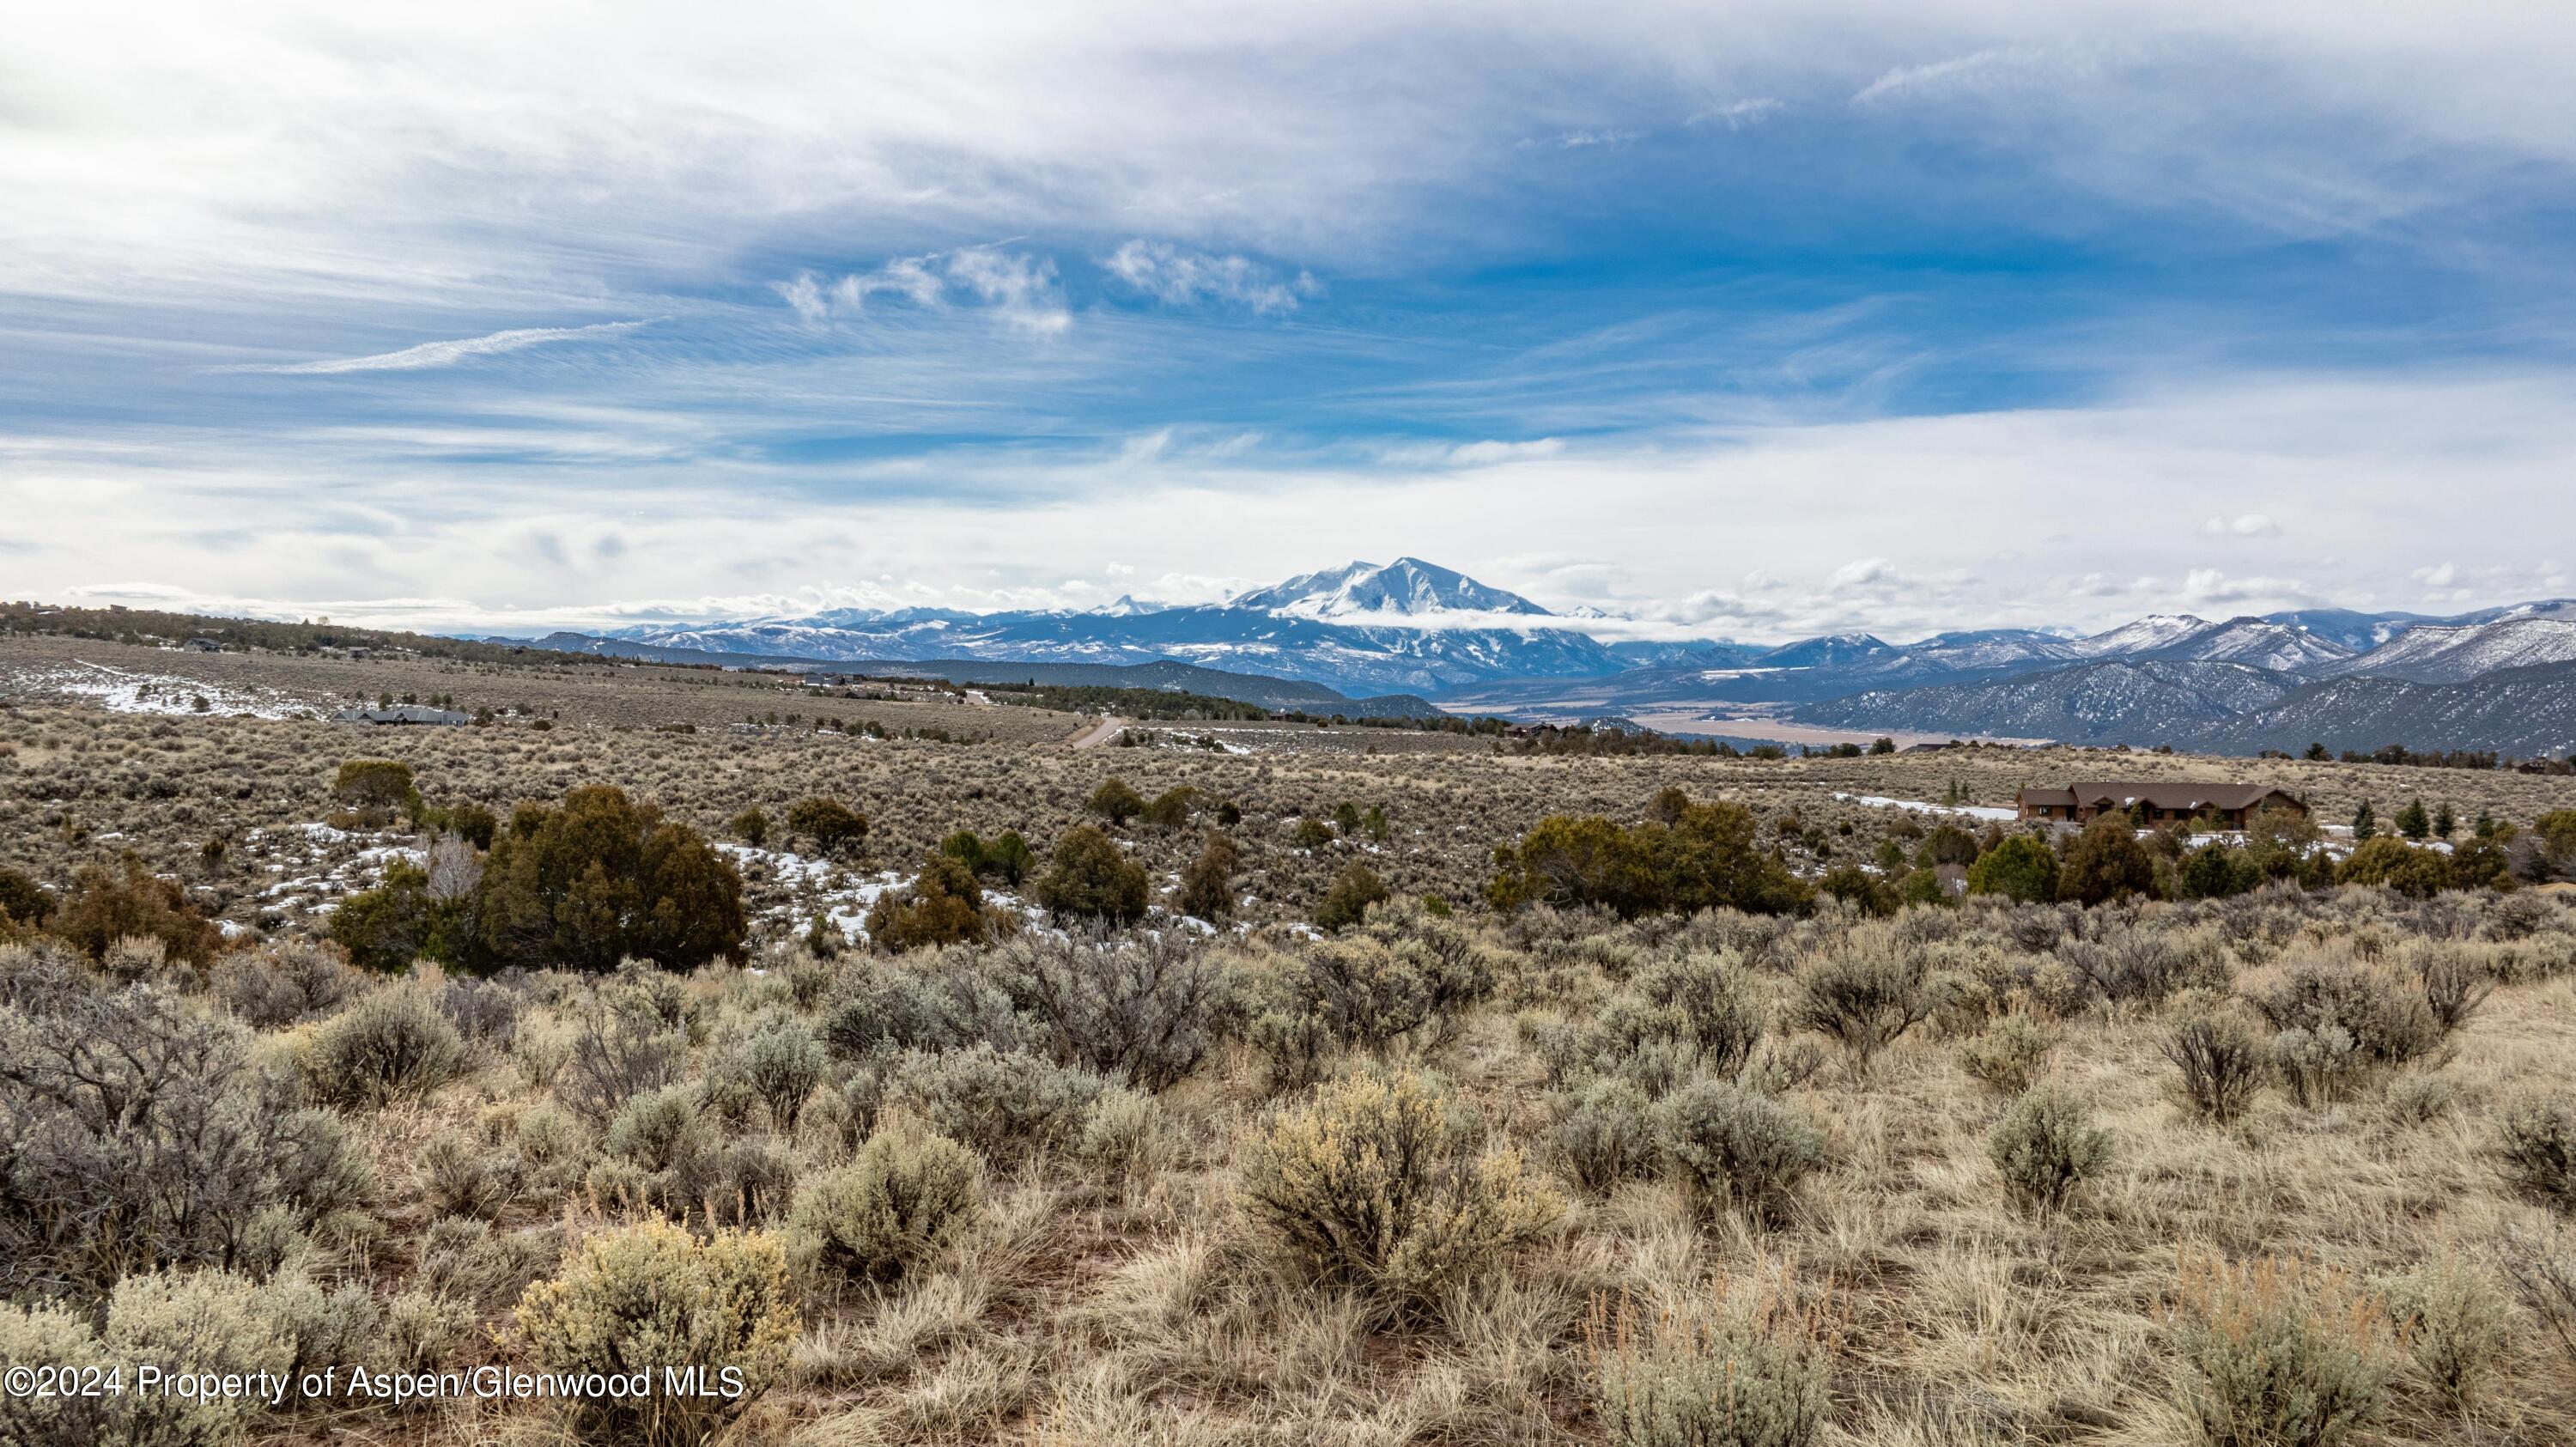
(449, 353)
(1020, 288)
(1179, 277)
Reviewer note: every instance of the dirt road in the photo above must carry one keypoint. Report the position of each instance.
(1100, 733)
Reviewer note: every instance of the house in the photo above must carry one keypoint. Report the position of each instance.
(2157, 803)
(201, 645)
(407, 713)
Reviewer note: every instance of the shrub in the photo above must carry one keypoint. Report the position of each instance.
(2420, 1099)
(2456, 1326)
(1740, 1369)
(376, 786)
(777, 1064)
(2318, 1066)
(1126, 1135)
(2008, 1054)
(391, 1044)
(601, 879)
(1347, 902)
(2279, 1353)
(203, 1321)
(1375, 1183)
(942, 906)
(54, 1336)
(386, 928)
(2537, 1140)
(658, 1154)
(461, 1176)
(22, 899)
(1088, 878)
(1207, 885)
(2045, 1149)
(1148, 1009)
(885, 1008)
(1704, 858)
(1737, 1148)
(140, 1134)
(2387, 1024)
(751, 826)
(836, 829)
(2019, 868)
(651, 1296)
(2453, 988)
(1863, 999)
(1603, 1134)
(1356, 992)
(1116, 801)
(107, 905)
(2105, 863)
(285, 981)
(906, 1195)
(618, 1049)
(2220, 1062)
(1008, 1105)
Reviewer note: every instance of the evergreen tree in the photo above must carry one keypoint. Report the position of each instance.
(1088, 878)
(2365, 824)
(2412, 821)
(1347, 902)
(2445, 823)
(2105, 863)
(1116, 801)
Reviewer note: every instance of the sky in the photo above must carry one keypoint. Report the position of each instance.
(1742, 321)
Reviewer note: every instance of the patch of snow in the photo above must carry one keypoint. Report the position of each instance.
(123, 691)
(1967, 811)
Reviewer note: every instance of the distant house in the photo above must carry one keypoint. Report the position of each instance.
(201, 645)
(407, 713)
(2157, 803)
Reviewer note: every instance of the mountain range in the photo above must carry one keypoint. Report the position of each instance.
(1384, 636)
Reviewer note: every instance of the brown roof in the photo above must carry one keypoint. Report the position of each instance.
(2188, 795)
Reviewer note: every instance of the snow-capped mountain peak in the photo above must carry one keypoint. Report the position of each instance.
(2276, 646)
(1407, 586)
(1129, 606)
(2156, 630)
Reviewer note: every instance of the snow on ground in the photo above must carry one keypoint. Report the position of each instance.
(124, 691)
(822, 887)
(1965, 811)
(318, 864)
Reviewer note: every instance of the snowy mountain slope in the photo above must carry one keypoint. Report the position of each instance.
(2276, 646)
(2518, 712)
(1408, 586)
(2108, 701)
(2156, 630)
(2436, 653)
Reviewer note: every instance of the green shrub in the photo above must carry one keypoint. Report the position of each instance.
(1358, 992)
(1376, 1183)
(2538, 1143)
(378, 787)
(942, 906)
(2008, 1054)
(1603, 1134)
(1089, 878)
(1863, 999)
(2279, 1353)
(1736, 1148)
(2019, 868)
(658, 1153)
(903, 1197)
(392, 1044)
(652, 1296)
(1116, 801)
(1347, 902)
(1007, 1105)
(601, 879)
(836, 829)
(2045, 1149)
(1718, 1373)
(107, 905)
(751, 826)
(2387, 1023)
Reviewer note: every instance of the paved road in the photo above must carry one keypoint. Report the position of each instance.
(1100, 733)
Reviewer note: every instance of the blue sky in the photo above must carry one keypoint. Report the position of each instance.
(1744, 321)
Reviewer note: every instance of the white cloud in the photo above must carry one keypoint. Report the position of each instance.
(1019, 288)
(448, 354)
(2441, 575)
(1180, 277)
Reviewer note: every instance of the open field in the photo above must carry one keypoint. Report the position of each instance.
(1769, 1139)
